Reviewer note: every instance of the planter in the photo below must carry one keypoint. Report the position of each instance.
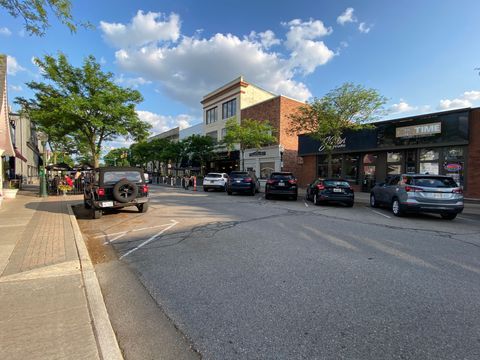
(10, 193)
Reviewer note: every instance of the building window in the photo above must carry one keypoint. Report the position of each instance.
(211, 115)
(214, 136)
(229, 109)
(336, 166)
(429, 161)
(351, 167)
(394, 163)
(224, 133)
(266, 169)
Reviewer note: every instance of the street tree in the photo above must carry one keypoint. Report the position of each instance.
(173, 153)
(140, 154)
(347, 107)
(85, 103)
(200, 149)
(35, 14)
(117, 157)
(250, 134)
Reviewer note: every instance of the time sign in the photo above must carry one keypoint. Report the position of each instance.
(419, 130)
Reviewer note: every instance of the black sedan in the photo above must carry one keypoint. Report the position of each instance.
(281, 183)
(323, 191)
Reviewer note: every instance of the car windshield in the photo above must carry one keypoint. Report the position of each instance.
(435, 182)
(336, 183)
(239, 174)
(110, 177)
(214, 175)
(282, 177)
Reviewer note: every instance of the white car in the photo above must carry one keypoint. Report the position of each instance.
(216, 181)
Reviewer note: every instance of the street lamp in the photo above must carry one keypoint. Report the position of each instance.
(43, 181)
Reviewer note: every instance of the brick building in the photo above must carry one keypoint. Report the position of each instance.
(446, 143)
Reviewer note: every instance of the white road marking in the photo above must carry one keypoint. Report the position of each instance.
(115, 238)
(134, 230)
(461, 217)
(306, 205)
(379, 213)
(173, 223)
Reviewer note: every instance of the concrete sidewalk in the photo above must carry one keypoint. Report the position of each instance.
(50, 301)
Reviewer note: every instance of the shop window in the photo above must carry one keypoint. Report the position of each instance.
(336, 166)
(429, 168)
(369, 164)
(394, 163)
(266, 169)
(429, 161)
(429, 154)
(394, 169)
(411, 161)
(454, 164)
(394, 157)
(351, 167)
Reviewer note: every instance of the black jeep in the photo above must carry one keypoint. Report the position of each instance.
(113, 188)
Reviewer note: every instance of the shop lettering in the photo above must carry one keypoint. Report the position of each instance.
(258, 153)
(419, 130)
(340, 143)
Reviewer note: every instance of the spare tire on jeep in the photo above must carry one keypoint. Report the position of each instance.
(125, 191)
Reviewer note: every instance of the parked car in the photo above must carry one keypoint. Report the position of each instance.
(322, 191)
(115, 187)
(413, 193)
(281, 183)
(242, 181)
(216, 181)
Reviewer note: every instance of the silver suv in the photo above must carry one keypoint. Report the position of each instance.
(419, 193)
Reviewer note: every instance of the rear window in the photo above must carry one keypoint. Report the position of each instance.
(336, 183)
(239, 174)
(282, 176)
(214, 175)
(116, 176)
(435, 182)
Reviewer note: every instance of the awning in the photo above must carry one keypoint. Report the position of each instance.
(19, 155)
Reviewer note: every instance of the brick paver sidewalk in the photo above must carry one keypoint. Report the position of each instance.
(43, 301)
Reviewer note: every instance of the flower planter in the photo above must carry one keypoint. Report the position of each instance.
(10, 193)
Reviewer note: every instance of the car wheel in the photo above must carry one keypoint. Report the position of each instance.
(205, 189)
(229, 192)
(373, 201)
(349, 204)
(96, 214)
(253, 192)
(86, 204)
(267, 197)
(143, 208)
(294, 197)
(448, 216)
(396, 208)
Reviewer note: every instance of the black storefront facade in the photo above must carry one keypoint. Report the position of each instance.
(435, 143)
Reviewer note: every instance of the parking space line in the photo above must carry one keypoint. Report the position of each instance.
(149, 240)
(379, 213)
(461, 217)
(306, 205)
(134, 230)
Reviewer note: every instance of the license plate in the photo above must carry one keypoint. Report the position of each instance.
(337, 190)
(281, 184)
(211, 181)
(107, 203)
(238, 181)
(438, 195)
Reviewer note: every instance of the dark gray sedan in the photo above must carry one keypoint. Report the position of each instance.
(413, 193)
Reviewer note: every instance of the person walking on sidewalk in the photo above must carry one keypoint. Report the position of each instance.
(186, 182)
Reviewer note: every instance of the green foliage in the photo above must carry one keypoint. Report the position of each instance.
(117, 157)
(248, 135)
(199, 148)
(348, 107)
(35, 13)
(83, 103)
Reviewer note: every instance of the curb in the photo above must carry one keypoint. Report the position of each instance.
(104, 334)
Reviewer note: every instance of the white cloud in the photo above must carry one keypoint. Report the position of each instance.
(4, 31)
(13, 66)
(193, 66)
(266, 38)
(142, 30)
(467, 99)
(131, 82)
(16, 88)
(102, 61)
(346, 17)
(401, 107)
(364, 28)
(162, 123)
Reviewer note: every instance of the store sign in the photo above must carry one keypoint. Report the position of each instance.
(453, 167)
(258, 153)
(341, 143)
(419, 130)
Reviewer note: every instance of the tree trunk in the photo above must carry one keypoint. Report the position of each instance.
(329, 165)
(243, 159)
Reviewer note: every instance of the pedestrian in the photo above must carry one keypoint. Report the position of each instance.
(68, 180)
(186, 182)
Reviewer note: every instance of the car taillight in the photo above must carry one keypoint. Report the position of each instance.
(321, 187)
(412, 188)
(101, 192)
(457, 191)
(247, 180)
(145, 188)
(292, 181)
(270, 181)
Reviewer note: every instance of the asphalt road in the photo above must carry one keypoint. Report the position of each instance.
(246, 278)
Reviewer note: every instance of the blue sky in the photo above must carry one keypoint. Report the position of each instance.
(421, 55)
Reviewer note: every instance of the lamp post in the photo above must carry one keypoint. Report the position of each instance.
(43, 181)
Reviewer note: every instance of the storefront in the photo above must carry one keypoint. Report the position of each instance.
(264, 161)
(437, 143)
